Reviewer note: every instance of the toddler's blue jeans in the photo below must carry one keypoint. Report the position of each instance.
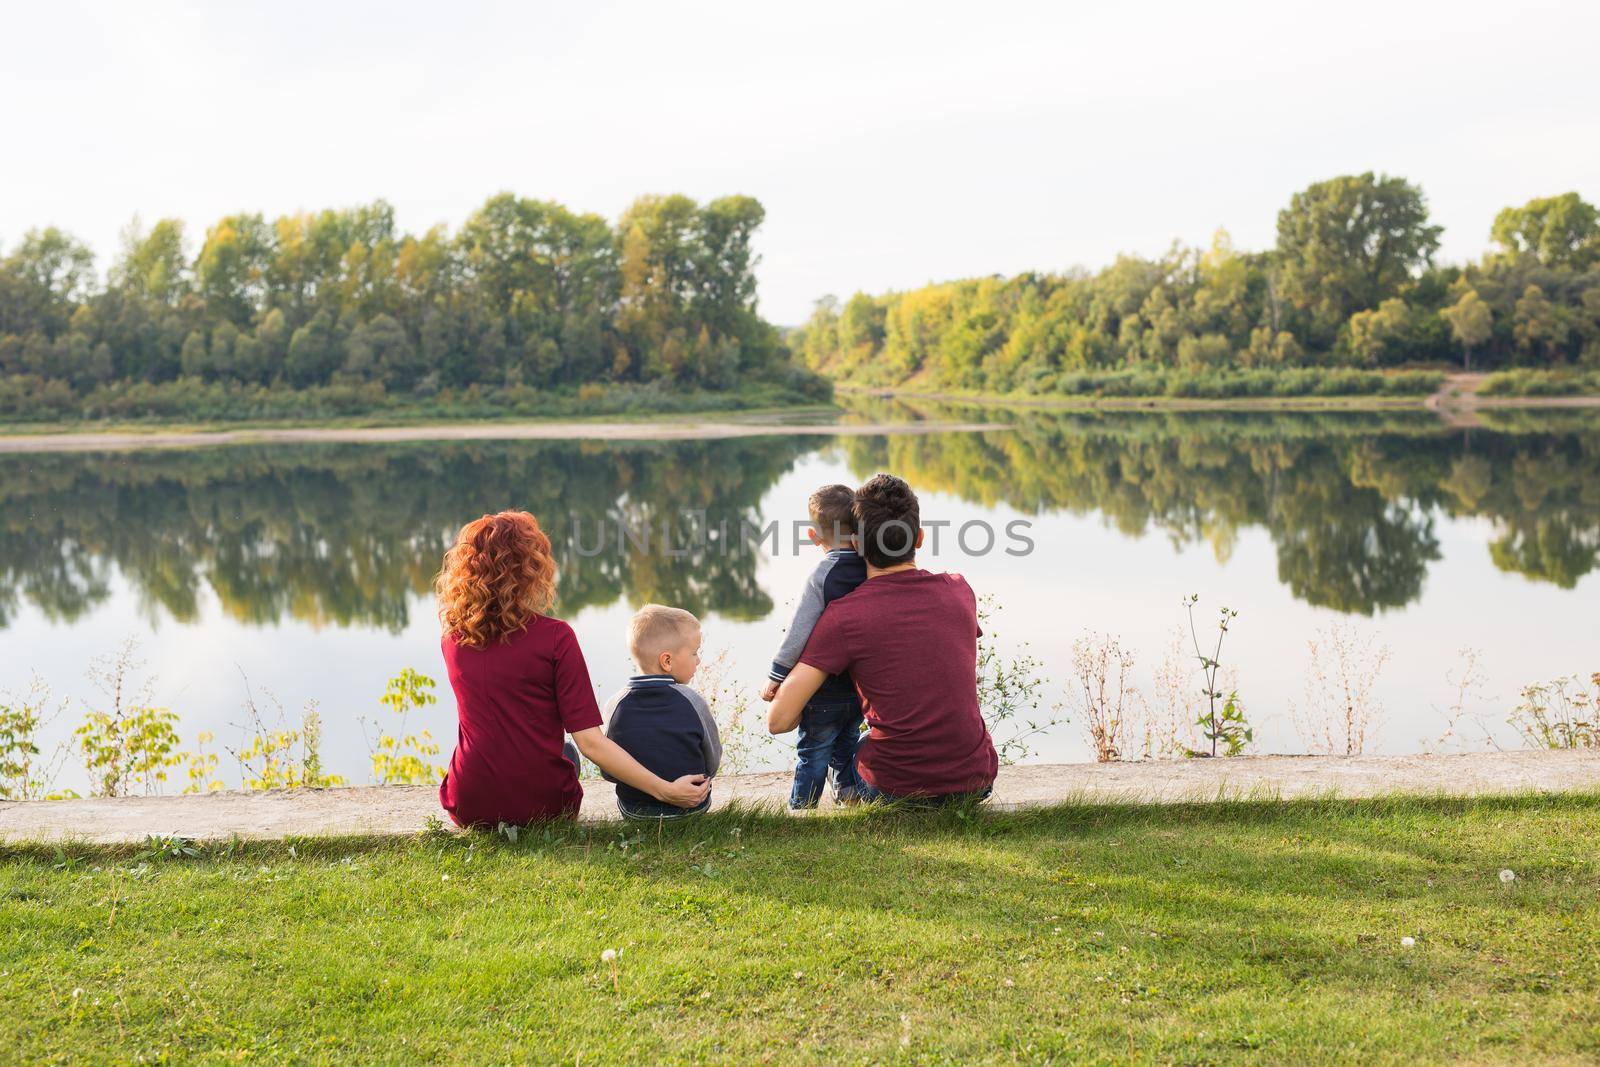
(829, 734)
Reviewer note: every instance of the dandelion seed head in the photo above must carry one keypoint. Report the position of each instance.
(608, 956)
(1408, 942)
(1508, 876)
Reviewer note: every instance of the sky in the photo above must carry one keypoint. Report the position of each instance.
(891, 144)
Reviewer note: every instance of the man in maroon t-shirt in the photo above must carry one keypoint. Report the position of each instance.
(909, 638)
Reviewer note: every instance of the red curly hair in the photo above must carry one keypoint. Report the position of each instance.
(497, 576)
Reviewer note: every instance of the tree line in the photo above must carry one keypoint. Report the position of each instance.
(1350, 282)
(525, 293)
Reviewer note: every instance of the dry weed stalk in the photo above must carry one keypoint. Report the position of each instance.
(1169, 723)
(1101, 667)
(1466, 680)
(730, 707)
(1340, 715)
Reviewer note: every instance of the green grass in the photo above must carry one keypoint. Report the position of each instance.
(32, 405)
(1204, 933)
(1156, 386)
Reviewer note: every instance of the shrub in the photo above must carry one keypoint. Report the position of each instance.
(402, 759)
(22, 775)
(269, 759)
(1527, 382)
(1230, 384)
(25, 398)
(1559, 714)
(1224, 729)
(132, 744)
(1008, 692)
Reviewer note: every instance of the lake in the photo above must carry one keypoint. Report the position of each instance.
(302, 572)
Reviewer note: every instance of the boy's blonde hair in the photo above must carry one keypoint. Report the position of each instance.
(656, 628)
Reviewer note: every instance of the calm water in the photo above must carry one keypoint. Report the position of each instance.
(305, 570)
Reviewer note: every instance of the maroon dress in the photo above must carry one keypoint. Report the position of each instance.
(515, 700)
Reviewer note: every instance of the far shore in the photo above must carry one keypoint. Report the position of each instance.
(1443, 401)
(1456, 403)
(664, 430)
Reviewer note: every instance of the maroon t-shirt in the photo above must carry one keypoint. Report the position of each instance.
(910, 641)
(515, 700)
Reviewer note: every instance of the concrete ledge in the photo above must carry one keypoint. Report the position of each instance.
(391, 810)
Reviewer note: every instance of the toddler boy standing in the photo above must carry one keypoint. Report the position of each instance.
(830, 725)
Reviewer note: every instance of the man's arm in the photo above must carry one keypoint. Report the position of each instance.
(783, 714)
(806, 614)
(711, 737)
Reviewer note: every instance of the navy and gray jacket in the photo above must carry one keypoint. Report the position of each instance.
(840, 571)
(664, 725)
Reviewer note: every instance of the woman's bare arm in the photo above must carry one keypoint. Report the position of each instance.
(685, 792)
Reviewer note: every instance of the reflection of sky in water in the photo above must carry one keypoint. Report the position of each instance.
(1084, 575)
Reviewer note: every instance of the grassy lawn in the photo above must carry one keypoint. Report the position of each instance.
(1084, 933)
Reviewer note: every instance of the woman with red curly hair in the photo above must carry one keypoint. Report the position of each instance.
(521, 683)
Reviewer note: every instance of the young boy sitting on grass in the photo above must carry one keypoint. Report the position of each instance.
(830, 725)
(656, 718)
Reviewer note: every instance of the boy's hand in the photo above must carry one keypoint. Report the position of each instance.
(769, 692)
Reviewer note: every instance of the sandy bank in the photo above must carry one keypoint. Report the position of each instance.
(487, 431)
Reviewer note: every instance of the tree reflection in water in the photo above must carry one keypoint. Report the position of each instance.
(352, 534)
(1349, 500)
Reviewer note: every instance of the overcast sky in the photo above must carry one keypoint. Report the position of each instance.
(892, 144)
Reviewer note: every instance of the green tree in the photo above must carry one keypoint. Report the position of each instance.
(1470, 322)
(271, 350)
(195, 358)
(1347, 244)
(861, 327)
(231, 269)
(314, 352)
(1540, 328)
(380, 349)
(152, 265)
(50, 271)
(1379, 336)
(1557, 231)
